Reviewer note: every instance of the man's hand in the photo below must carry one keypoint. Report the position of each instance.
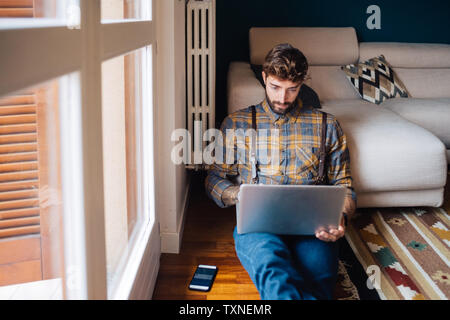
(230, 195)
(335, 234)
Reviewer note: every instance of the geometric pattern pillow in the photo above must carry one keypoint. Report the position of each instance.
(375, 80)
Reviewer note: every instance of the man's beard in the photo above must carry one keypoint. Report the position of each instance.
(283, 112)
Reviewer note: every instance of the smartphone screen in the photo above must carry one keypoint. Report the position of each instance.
(203, 278)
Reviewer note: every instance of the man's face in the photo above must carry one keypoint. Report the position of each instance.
(281, 94)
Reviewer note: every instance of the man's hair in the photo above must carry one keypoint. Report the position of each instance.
(286, 62)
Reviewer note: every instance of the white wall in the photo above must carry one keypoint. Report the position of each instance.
(171, 180)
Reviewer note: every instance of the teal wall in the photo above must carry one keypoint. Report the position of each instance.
(401, 21)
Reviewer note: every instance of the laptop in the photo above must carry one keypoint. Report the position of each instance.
(289, 209)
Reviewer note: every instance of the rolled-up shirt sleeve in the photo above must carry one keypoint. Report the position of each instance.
(225, 166)
(339, 159)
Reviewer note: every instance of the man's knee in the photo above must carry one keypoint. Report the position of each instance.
(314, 252)
(261, 248)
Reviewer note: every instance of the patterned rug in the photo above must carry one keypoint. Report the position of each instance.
(345, 288)
(405, 251)
(352, 277)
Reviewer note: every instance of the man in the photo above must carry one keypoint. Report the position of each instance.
(287, 267)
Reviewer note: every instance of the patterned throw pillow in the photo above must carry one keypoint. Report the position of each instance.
(375, 80)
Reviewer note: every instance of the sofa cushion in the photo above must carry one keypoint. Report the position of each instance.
(375, 80)
(426, 83)
(408, 198)
(388, 152)
(321, 46)
(423, 67)
(243, 88)
(431, 114)
(408, 55)
(331, 83)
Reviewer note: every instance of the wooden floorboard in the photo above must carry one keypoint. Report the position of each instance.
(207, 239)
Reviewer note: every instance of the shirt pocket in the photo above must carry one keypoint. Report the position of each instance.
(307, 161)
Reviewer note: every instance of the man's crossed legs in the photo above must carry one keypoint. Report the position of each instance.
(289, 267)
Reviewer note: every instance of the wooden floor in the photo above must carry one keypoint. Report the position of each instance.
(207, 239)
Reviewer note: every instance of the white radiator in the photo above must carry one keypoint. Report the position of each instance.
(201, 74)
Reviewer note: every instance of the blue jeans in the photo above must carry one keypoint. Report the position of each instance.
(289, 267)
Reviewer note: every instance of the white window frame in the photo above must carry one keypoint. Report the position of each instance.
(34, 53)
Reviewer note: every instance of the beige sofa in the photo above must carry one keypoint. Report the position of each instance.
(398, 149)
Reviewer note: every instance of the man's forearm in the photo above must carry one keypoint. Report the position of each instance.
(230, 194)
(349, 205)
(215, 186)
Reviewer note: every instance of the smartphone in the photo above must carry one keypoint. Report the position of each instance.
(203, 278)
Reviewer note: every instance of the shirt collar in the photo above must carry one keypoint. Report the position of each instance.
(290, 116)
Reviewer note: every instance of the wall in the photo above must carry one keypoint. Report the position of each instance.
(172, 181)
(401, 21)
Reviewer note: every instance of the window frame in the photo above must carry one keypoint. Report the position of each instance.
(41, 51)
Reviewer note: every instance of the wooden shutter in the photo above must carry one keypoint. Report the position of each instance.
(29, 233)
(20, 257)
(20, 247)
(19, 184)
(16, 8)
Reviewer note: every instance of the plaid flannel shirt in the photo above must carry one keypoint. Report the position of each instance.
(298, 145)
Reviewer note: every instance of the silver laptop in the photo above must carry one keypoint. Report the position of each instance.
(289, 209)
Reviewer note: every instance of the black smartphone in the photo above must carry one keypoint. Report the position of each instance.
(203, 278)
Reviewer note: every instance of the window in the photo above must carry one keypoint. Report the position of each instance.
(126, 10)
(34, 8)
(125, 135)
(31, 209)
(76, 148)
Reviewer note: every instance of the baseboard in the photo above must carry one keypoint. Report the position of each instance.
(153, 277)
(171, 241)
(144, 290)
(147, 274)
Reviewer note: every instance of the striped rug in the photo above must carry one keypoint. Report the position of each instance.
(405, 251)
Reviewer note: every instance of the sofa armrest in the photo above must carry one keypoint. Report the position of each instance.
(243, 89)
